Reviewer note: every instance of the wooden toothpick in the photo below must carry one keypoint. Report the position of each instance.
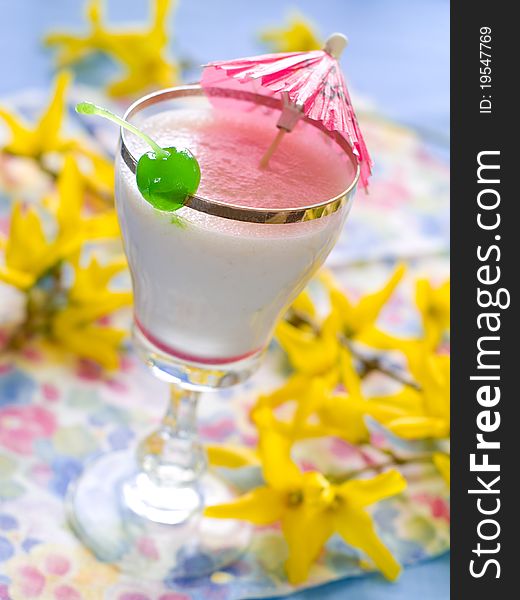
(264, 161)
(291, 114)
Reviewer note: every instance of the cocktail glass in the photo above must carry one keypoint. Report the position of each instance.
(208, 291)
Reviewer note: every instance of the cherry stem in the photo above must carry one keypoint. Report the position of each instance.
(87, 108)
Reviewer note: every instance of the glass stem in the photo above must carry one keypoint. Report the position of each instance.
(172, 456)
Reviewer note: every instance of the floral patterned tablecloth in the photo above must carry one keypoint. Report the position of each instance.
(55, 416)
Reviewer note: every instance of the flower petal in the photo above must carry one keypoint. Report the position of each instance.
(363, 492)
(22, 139)
(49, 126)
(231, 456)
(369, 307)
(261, 506)
(304, 304)
(306, 530)
(309, 353)
(357, 529)
(100, 344)
(419, 427)
(280, 472)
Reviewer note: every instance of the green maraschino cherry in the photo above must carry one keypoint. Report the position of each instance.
(165, 176)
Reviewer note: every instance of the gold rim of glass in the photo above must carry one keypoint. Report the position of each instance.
(233, 211)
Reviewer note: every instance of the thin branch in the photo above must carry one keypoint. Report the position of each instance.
(375, 364)
(395, 461)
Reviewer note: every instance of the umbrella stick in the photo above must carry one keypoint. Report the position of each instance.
(264, 161)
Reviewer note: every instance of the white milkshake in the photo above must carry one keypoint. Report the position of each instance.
(210, 290)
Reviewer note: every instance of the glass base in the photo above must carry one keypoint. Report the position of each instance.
(109, 510)
(192, 375)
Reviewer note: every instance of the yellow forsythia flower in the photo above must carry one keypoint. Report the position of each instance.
(311, 352)
(433, 304)
(304, 305)
(427, 409)
(75, 327)
(45, 136)
(311, 509)
(356, 318)
(299, 35)
(74, 226)
(231, 456)
(339, 413)
(141, 52)
(316, 351)
(308, 394)
(343, 413)
(29, 253)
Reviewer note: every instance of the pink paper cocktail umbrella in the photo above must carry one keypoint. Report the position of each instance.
(309, 83)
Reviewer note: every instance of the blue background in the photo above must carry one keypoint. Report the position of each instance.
(398, 57)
